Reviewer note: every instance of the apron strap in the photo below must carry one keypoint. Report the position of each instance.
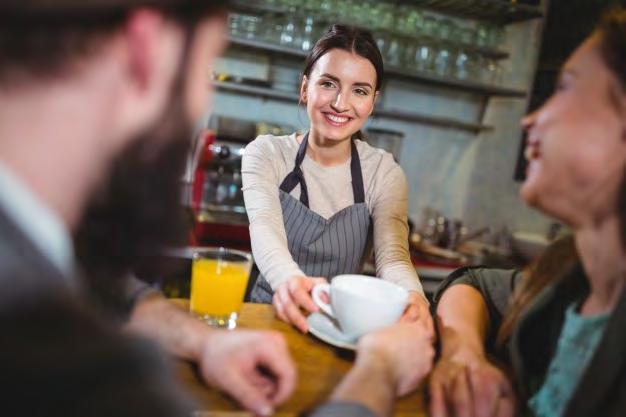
(296, 176)
(357, 176)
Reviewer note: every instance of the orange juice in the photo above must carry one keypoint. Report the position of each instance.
(217, 286)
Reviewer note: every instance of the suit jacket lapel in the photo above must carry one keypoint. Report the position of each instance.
(20, 253)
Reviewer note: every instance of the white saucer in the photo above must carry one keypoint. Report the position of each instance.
(325, 329)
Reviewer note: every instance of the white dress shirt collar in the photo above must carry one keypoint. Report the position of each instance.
(37, 221)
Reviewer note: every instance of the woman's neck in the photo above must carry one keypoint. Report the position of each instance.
(328, 152)
(602, 255)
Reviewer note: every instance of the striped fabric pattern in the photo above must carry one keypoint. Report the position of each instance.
(325, 247)
(321, 247)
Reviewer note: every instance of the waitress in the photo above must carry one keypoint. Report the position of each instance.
(317, 201)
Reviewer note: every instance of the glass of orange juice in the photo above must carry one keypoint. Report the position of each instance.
(219, 278)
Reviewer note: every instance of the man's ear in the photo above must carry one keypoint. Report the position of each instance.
(148, 50)
(142, 36)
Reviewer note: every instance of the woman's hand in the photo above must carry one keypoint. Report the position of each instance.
(293, 295)
(418, 310)
(466, 384)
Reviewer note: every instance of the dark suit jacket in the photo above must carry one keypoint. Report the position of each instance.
(60, 358)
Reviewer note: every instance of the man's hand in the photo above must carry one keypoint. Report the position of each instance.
(293, 295)
(466, 384)
(254, 367)
(418, 310)
(404, 349)
(390, 362)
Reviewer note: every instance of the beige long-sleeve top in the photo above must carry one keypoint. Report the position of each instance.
(266, 162)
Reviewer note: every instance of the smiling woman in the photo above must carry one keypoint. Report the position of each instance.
(317, 201)
(564, 321)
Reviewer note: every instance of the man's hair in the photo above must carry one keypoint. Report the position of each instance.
(42, 38)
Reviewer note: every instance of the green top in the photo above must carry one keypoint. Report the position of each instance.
(576, 345)
(601, 386)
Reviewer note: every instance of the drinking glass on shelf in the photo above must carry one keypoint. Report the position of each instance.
(409, 21)
(288, 33)
(465, 35)
(249, 26)
(359, 13)
(311, 6)
(271, 27)
(372, 18)
(400, 16)
(442, 62)
(462, 65)
(429, 26)
(424, 57)
(492, 71)
(387, 18)
(482, 35)
(489, 35)
(234, 24)
(408, 53)
(428, 225)
(446, 29)
(308, 33)
(474, 65)
(394, 51)
(328, 9)
(382, 41)
(343, 10)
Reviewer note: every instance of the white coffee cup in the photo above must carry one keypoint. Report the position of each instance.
(360, 303)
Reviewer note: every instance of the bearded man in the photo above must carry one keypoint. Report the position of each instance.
(97, 101)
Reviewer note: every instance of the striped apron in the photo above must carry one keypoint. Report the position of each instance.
(321, 247)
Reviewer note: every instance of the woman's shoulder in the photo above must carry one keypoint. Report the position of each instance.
(272, 145)
(375, 159)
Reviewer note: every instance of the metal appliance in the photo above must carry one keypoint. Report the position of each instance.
(214, 193)
(213, 181)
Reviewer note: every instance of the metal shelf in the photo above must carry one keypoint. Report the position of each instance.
(268, 47)
(485, 89)
(256, 6)
(279, 49)
(471, 86)
(497, 11)
(436, 121)
(270, 93)
(252, 90)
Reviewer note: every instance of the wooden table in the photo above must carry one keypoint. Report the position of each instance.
(320, 368)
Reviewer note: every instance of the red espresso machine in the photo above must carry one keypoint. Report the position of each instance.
(215, 197)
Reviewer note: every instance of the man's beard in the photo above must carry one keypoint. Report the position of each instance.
(139, 211)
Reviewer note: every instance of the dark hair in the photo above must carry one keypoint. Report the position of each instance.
(612, 29)
(553, 265)
(42, 39)
(351, 39)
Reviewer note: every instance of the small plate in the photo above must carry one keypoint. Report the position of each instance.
(325, 329)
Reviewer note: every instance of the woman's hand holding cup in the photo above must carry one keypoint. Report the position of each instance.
(294, 295)
(418, 311)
